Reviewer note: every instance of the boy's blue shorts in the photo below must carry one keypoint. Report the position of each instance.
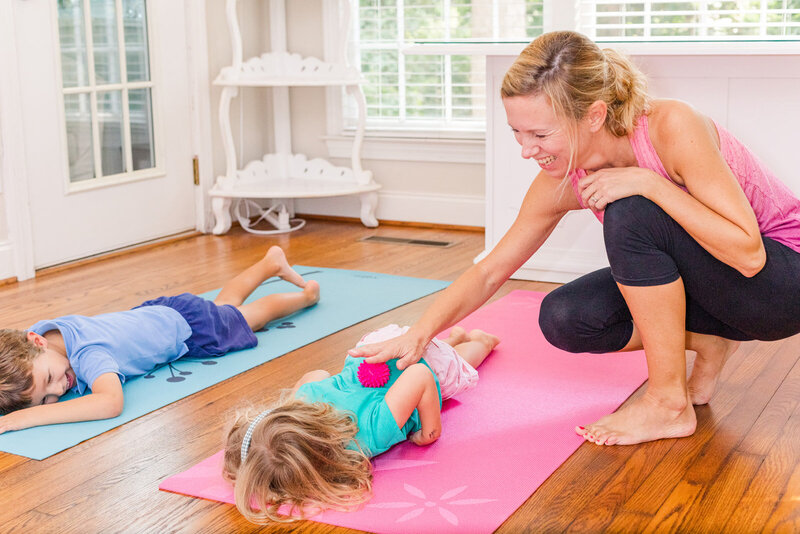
(216, 330)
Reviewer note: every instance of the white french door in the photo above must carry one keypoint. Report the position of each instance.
(106, 123)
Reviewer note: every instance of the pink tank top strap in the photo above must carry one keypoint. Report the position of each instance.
(643, 148)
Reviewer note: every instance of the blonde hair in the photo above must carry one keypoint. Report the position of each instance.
(16, 370)
(573, 73)
(298, 457)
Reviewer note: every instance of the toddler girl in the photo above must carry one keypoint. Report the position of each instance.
(311, 451)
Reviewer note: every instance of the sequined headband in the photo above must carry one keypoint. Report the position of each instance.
(249, 434)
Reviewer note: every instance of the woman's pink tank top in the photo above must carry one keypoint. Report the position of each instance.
(777, 209)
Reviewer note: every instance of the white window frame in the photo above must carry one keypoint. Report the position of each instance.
(465, 147)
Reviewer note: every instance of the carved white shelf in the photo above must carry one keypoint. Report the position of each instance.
(284, 68)
(283, 175)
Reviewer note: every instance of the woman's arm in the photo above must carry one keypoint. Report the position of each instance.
(105, 401)
(716, 211)
(415, 389)
(545, 203)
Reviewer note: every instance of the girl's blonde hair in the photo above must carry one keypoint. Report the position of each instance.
(573, 72)
(298, 458)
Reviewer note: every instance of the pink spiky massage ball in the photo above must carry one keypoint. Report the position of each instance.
(373, 375)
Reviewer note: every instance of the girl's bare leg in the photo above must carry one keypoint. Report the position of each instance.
(457, 335)
(475, 347)
(712, 353)
(272, 264)
(266, 309)
(665, 410)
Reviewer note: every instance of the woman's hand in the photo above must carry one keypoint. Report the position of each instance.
(602, 187)
(407, 348)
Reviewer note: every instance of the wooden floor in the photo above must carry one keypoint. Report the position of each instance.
(740, 472)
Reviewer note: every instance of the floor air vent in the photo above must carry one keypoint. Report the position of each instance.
(404, 241)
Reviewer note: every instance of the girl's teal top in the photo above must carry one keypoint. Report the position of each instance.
(377, 429)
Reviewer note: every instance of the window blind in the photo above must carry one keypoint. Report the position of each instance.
(707, 19)
(445, 92)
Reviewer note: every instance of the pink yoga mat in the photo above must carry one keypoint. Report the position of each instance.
(499, 441)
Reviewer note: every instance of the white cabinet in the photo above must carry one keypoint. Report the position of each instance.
(754, 92)
(283, 175)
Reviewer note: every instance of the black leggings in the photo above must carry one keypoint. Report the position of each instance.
(646, 247)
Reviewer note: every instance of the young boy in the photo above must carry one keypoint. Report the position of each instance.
(76, 353)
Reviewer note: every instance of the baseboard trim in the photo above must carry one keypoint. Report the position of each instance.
(118, 252)
(450, 210)
(385, 222)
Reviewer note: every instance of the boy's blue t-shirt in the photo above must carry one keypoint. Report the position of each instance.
(377, 429)
(128, 343)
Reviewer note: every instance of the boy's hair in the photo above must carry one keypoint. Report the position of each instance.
(16, 375)
(297, 458)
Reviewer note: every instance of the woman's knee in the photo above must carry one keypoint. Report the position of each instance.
(557, 319)
(630, 214)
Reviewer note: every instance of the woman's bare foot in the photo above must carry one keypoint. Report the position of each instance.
(646, 419)
(277, 259)
(482, 337)
(311, 292)
(711, 357)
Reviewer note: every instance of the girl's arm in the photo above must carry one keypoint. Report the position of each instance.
(311, 376)
(716, 212)
(105, 401)
(416, 389)
(545, 203)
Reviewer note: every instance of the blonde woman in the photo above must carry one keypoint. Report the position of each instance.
(311, 451)
(703, 241)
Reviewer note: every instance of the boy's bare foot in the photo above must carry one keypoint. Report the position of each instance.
(482, 337)
(311, 291)
(646, 419)
(277, 258)
(707, 367)
(457, 336)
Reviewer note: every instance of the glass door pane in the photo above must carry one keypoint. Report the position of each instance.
(134, 17)
(107, 88)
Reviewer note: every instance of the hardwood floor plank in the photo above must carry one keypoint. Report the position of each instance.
(786, 516)
(765, 431)
(670, 514)
(718, 498)
(769, 484)
(626, 522)
(638, 463)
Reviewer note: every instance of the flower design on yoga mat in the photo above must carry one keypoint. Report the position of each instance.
(284, 324)
(424, 503)
(173, 369)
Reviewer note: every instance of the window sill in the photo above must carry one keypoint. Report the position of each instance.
(406, 148)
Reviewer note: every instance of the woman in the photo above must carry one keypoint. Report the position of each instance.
(703, 241)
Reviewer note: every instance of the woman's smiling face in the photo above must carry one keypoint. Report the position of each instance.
(539, 132)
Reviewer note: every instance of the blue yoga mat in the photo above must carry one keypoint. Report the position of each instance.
(347, 298)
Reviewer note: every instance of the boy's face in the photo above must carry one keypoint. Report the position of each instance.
(52, 374)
